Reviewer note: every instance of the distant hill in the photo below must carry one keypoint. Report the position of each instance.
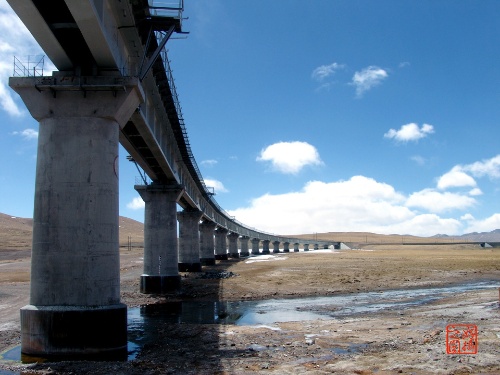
(493, 236)
(17, 232)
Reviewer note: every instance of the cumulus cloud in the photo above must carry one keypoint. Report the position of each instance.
(420, 160)
(455, 178)
(16, 41)
(360, 202)
(216, 185)
(27, 134)
(438, 202)
(290, 157)
(487, 167)
(136, 204)
(410, 132)
(368, 78)
(484, 225)
(324, 71)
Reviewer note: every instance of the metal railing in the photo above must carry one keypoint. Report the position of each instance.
(32, 66)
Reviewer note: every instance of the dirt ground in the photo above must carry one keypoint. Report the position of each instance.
(411, 340)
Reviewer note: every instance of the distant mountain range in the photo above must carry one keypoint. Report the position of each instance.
(493, 236)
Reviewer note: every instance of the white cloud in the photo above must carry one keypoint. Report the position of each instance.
(27, 134)
(475, 192)
(455, 178)
(136, 204)
(410, 132)
(324, 71)
(360, 204)
(368, 78)
(290, 157)
(209, 162)
(16, 41)
(420, 160)
(485, 225)
(437, 202)
(488, 167)
(216, 185)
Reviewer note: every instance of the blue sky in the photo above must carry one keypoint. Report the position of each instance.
(319, 116)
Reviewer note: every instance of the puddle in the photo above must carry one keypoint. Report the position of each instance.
(143, 322)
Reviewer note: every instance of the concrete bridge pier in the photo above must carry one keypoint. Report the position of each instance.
(296, 247)
(221, 244)
(161, 256)
(316, 246)
(75, 308)
(189, 240)
(244, 246)
(265, 247)
(233, 245)
(276, 246)
(207, 243)
(286, 247)
(255, 246)
(306, 247)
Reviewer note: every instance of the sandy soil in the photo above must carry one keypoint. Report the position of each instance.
(409, 341)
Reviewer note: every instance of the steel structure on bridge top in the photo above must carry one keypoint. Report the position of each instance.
(99, 37)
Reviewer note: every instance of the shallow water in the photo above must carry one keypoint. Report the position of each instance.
(143, 322)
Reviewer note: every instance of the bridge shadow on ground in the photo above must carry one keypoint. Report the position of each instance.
(181, 333)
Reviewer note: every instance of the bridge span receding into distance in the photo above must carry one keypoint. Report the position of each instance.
(113, 86)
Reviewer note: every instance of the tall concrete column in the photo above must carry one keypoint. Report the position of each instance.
(296, 247)
(276, 246)
(75, 307)
(233, 245)
(189, 240)
(306, 247)
(255, 246)
(207, 243)
(161, 257)
(221, 244)
(265, 247)
(244, 246)
(286, 247)
(316, 246)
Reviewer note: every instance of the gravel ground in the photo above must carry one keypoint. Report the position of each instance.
(407, 340)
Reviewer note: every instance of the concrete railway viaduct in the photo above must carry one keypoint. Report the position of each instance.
(113, 85)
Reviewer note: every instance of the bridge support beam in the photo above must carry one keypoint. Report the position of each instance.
(233, 245)
(189, 240)
(265, 247)
(296, 247)
(255, 246)
(207, 243)
(75, 308)
(276, 247)
(221, 244)
(286, 247)
(161, 257)
(244, 246)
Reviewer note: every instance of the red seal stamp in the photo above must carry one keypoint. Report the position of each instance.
(461, 339)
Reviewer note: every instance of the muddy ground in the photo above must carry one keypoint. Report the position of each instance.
(410, 340)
